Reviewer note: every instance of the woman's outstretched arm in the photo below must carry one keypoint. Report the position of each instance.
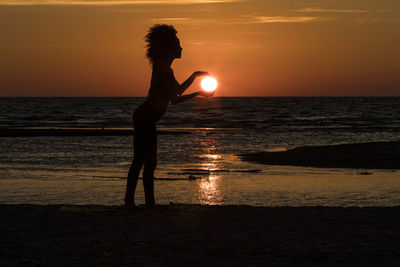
(185, 85)
(179, 99)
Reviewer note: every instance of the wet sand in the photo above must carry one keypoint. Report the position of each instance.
(375, 155)
(195, 235)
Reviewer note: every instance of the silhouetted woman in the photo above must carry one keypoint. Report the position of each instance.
(163, 47)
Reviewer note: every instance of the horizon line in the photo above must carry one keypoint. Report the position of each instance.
(307, 96)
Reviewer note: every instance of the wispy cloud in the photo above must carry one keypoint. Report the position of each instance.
(109, 2)
(33, 45)
(195, 43)
(243, 19)
(360, 16)
(248, 19)
(170, 19)
(327, 10)
(187, 21)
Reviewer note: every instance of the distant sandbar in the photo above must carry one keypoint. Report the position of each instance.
(374, 155)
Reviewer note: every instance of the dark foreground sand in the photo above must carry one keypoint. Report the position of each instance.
(187, 235)
(376, 155)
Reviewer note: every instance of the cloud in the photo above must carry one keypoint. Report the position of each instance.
(243, 19)
(361, 16)
(195, 43)
(187, 21)
(170, 19)
(108, 2)
(325, 10)
(277, 19)
(33, 45)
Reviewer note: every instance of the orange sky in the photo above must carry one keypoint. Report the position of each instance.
(253, 47)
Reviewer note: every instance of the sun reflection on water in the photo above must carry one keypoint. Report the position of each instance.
(209, 190)
(211, 156)
(209, 187)
(210, 162)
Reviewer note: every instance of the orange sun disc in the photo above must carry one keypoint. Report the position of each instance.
(209, 84)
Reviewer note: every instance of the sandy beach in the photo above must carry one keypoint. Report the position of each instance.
(196, 235)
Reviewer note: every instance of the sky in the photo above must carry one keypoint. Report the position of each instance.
(253, 47)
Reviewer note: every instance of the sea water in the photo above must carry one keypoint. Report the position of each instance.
(201, 166)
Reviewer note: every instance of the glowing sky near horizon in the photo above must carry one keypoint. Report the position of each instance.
(254, 47)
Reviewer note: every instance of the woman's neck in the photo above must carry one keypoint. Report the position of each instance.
(164, 63)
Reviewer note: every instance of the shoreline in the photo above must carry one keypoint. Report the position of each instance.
(186, 234)
(372, 155)
(34, 132)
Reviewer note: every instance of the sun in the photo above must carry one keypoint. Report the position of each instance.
(209, 84)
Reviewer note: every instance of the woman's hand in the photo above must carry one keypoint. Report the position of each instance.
(199, 73)
(190, 80)
(206, 94)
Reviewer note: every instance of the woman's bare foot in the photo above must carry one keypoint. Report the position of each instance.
(129, 203)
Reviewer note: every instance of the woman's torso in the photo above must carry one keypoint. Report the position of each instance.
(163, 87)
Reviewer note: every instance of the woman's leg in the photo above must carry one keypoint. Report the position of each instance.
(148, 183)
(137, 164)
(133, 176)
(150, 165)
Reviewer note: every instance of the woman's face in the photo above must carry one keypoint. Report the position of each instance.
(176, 49)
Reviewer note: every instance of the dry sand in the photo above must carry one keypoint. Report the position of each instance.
(195, 235)
(376, 155)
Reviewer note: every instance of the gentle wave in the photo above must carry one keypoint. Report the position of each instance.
(291, 114)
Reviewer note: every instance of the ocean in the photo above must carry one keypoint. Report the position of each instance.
(198, 156)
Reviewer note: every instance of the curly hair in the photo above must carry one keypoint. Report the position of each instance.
(158, 37)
